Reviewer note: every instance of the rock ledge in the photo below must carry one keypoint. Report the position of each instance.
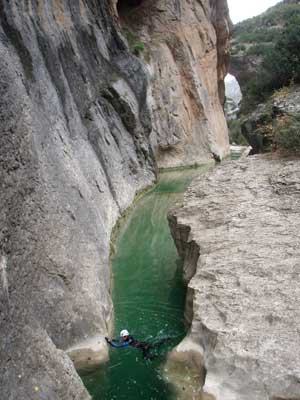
(244, 296)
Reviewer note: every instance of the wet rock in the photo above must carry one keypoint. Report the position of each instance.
(89, 353)
(237, 152)
(71, 160)
(184, 368)
(244, 293)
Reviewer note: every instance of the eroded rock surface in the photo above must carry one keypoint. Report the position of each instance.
(74, 150)
(80, 135)
(186, 54)
(244, 294)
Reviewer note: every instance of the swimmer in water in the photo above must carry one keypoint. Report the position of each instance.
(127, 340)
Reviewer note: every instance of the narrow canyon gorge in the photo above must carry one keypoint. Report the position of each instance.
(103, 102)
(95, 97)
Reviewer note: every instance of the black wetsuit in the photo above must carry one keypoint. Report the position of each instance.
(144, 346)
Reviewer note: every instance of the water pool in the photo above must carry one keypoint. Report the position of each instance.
(148, 296)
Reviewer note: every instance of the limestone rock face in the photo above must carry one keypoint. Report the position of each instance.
(74, 150)
(238, 232)
(186, 53)
(84, 125)
(244, 67)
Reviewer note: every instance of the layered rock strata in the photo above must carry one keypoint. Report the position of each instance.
(84, 124)
(74, 150)
(186, 54)
(238, 233)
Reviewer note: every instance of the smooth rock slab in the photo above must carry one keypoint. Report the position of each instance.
(89, 353)
(244, 218)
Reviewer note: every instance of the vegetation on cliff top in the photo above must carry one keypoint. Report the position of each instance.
(265, 52)
(269, 43)
(280, 63)
(266, 27)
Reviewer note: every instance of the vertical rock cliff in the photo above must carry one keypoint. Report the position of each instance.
(84, 125)
(238, 233)
(186, 54)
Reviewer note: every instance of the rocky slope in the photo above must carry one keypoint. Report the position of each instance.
(84, 124)
(238, 233)
(274, 124)
(255, 61)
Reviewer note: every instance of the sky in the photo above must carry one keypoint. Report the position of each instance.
(242, 9)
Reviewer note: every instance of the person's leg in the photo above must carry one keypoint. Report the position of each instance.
(158, 344)
(146, 348)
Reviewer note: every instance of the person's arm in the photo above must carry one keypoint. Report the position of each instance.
(115, 343)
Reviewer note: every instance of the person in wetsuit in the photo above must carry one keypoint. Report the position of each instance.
(127, 340)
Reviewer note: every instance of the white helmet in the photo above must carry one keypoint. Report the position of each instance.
(124, 333)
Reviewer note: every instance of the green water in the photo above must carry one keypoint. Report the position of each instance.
(148, 297)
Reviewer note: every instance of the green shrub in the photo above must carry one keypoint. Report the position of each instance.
(259, 49)
(234, 50)
(134, 43)
(263, 35)
(280, 64)
(287, 132)
(235, 135)
(273, 17)
(138, 48)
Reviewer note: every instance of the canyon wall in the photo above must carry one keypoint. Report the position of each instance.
(84, 125)
(186, 53)
(237, 232)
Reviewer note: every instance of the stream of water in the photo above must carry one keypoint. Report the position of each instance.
(148, 296)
